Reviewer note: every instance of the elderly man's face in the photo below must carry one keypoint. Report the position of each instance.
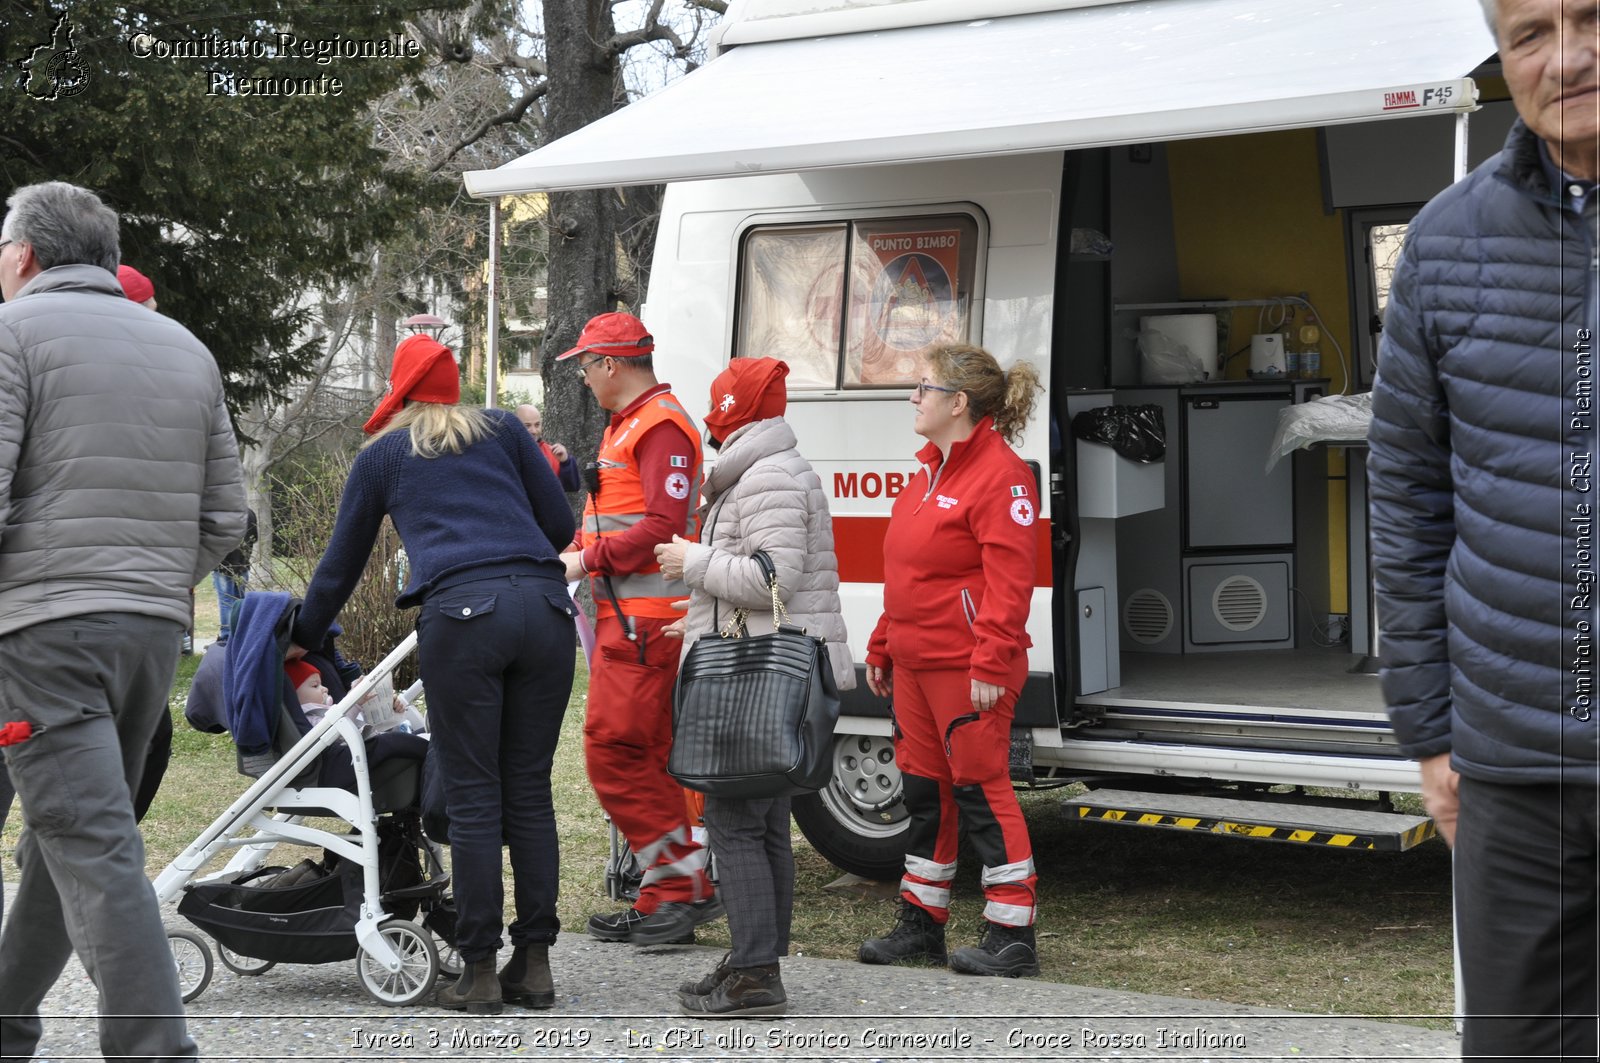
(13, 275)
(532, 420)
(1548, 49)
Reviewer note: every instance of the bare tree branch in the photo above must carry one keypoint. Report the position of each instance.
(510, 116)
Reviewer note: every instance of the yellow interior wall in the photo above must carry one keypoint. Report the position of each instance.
(1248, 223)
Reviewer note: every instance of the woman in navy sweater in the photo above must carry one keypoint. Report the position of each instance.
(479, 512)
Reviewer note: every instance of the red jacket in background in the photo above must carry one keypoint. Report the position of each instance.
(958, 563)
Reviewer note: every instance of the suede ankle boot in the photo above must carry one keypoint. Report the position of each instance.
(477, 991)
(525, 980)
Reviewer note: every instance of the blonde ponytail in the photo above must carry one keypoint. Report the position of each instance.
(1008, 397)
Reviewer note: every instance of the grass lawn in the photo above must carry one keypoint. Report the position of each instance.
(1283, 926)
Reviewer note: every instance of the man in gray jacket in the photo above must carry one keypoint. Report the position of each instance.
(119, 490)
(1483, 538)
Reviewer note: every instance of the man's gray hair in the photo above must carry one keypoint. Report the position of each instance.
(1491, 13)
(65, 225)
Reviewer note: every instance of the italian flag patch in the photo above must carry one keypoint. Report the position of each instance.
(1019, 491)
(678, 461)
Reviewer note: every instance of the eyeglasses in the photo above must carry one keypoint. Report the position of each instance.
(923, 388)
(582, 368)
(5, 244)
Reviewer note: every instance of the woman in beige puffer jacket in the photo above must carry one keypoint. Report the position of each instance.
(760, 495)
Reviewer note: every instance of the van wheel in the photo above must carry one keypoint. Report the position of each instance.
(858, 821)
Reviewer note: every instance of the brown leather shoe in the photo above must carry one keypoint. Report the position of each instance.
(705, 985)
(477, 991)
(745, 991)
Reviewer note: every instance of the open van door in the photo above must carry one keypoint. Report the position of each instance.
(932, 188)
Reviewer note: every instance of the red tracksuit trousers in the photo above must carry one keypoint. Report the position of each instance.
(955, 764)
(627, 734)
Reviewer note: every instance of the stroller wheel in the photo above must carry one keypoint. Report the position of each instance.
(192, 958)
(419, 965)
(238, 963)
(450, 965)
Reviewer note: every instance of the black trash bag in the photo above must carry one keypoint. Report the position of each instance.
(1138, 433)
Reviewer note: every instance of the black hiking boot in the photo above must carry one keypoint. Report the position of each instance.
(705, 985)
(619, 926)
(1004, 952)
(477, 991)
(745, 991)
(673, 923)
(525, 980)
(915, 937)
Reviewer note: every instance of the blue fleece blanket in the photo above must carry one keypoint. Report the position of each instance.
(252, 676)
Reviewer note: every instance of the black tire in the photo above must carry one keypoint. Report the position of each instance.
(240, 964)
(858, 821)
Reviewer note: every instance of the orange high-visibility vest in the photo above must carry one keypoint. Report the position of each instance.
(619, 505)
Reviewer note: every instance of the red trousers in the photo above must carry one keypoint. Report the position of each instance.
(955, 764)
(627, 734)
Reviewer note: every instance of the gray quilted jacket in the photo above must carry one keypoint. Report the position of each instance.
(119, 476)
(762, 495)
(1482, 433)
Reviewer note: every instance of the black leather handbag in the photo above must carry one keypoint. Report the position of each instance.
(753, 716)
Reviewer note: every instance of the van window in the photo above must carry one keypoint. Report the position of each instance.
(908, 288)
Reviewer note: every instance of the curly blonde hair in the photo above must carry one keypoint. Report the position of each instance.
(1007, 395)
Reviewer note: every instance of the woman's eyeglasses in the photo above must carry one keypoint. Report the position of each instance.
(925, 387)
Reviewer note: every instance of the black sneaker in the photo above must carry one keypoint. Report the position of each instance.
(616, 926)
(915, 937)
(673, 923)
(1004, 952)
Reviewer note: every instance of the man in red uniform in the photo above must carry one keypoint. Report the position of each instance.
(643, 489)
(563, 464)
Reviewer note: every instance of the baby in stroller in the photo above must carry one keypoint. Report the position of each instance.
(369, 882)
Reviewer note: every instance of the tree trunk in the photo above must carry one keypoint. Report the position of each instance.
(582, 269)
(256, 462)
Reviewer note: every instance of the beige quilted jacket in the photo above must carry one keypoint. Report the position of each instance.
(762, 495)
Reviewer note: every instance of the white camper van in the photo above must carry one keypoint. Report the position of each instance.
(1184, 204)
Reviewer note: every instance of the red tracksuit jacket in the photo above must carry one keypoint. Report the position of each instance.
(958, 563)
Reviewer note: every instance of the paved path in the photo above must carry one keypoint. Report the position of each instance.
(617, 1002)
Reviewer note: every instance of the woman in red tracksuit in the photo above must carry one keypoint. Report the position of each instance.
(952, 649)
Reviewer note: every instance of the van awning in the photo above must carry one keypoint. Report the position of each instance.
(1121, 73)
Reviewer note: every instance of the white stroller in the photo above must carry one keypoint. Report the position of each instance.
(261, 915)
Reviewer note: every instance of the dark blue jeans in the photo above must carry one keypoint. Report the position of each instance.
(229, 591)
(497, 658)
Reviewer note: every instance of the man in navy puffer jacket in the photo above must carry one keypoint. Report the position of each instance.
(1483, 510)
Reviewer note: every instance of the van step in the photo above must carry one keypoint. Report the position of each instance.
(1306, 824)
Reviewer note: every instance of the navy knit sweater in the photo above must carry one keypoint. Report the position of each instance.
(495, 502)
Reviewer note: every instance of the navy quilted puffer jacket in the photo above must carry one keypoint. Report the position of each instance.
(1482, 497)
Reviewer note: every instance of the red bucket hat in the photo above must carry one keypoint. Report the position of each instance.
(749, 390)
(424, 370)
(135, 285)
(616, 335)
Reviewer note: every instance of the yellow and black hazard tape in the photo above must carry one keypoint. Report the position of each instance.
(1262, 831)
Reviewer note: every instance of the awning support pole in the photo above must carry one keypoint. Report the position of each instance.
(491, 372)
(1461, 145)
